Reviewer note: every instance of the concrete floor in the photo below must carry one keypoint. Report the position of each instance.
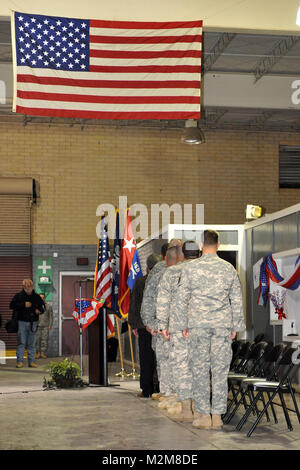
(114, 418)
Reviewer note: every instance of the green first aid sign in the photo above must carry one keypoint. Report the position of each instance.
(44, 277)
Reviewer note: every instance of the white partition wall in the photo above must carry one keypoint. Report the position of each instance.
(277, 234)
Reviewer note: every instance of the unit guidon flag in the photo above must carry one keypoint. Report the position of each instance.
(94, 69)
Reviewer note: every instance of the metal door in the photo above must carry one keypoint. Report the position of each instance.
(69, 291)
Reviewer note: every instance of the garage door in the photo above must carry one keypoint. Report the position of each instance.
(13, 269)
(16, 195)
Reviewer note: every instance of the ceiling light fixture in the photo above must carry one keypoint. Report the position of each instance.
(192, 134)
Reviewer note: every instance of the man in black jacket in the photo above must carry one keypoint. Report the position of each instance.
(27, 306)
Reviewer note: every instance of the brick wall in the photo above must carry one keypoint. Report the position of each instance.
(79, 168)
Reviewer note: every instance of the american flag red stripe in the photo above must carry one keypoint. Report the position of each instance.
(103, 269)
(147, 69)
(144, 54)
(144, 24)
(144, 40)
(104, 283)
(103, 115)
(110, 325)
(104, 99)
(158, 61)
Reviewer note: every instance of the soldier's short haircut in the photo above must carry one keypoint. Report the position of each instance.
(152, 260)
(175, 242)
(173, 252)
(163, 250)
(210, 237)
(190, 249)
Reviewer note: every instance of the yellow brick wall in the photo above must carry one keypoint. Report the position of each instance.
(78, 169)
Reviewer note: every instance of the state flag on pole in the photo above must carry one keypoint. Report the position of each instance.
(102, 69)
(127, 257)
(135, 270)
(103, 275)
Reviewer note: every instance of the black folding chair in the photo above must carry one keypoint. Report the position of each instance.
(242, 357)
(236, 347)
(274, 389)
(264, 369)
(241, 362)
(253, 368)
(258, 338)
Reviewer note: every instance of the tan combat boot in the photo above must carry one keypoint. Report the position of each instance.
(165, 402)
(156, 396)
(201, 421)
(175, 408)
(216, 422)
(185, 414)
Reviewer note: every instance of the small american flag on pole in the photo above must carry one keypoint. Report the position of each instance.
(99, 69)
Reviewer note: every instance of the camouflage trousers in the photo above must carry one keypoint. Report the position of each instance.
(179, 364)
(41, 339)
(210, 357)
(162, 351)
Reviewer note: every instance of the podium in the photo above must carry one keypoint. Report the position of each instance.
(97, 347)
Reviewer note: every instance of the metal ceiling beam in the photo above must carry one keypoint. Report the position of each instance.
(260, 120)
(213, 117)
(280, 49)
(222, 43)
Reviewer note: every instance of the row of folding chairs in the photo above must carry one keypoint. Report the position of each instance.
(261, 373)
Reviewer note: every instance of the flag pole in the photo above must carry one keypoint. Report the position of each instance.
(133, 373)
(80, 330)
(122, 373)
(104, 344)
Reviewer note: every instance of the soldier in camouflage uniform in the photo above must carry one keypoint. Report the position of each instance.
(148, 316)
(209, 304)
(44, 325)
(180, 372)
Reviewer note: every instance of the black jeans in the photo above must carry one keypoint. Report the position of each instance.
(147, 363)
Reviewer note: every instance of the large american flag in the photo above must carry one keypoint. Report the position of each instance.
(99, 69)
(103, 275)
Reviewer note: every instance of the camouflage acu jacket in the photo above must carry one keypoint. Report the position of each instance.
(148, 309)
(165, 310)
(209, 295)
(47, 318)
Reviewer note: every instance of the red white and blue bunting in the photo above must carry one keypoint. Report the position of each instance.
(269, 271)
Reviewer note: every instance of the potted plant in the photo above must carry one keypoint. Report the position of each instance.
(64, 374)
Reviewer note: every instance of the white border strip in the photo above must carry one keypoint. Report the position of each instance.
(14, 59)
